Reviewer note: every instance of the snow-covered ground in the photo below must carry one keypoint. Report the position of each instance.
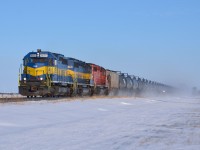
(101, 124)
(10, 95)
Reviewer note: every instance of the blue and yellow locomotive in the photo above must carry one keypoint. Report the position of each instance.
(51, 74)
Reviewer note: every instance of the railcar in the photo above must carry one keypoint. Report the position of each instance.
(122, 81)
(99, 78)
(81, 73)
(135, 82)
(129, 82)
(112, 81)
(140, 85)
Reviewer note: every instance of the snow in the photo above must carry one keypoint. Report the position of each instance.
(102, 124)
(10, 95)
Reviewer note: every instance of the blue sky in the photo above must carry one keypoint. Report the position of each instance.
(154, 39)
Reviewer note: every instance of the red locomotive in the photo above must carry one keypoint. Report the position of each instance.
(100, 79)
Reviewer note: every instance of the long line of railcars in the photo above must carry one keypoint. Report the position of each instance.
(44, 73)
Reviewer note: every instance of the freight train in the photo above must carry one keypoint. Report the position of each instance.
(49, 74)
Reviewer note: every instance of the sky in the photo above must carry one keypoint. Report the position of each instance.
(155, 39)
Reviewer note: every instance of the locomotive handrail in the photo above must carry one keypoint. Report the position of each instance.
(19, 78)
(48, 79)
(20, 73)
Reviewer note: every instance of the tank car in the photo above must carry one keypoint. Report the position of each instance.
(140, 85)
(129, 82)
(135, 84)
(122, 81)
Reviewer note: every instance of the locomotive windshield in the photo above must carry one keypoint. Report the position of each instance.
(38, 60)
(47, 61)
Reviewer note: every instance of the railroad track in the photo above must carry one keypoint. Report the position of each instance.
(10, 100)
(16, 99)
(25, 99)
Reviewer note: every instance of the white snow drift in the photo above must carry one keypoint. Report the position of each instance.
(101, 124)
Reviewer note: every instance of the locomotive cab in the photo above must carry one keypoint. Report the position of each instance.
(36, 66)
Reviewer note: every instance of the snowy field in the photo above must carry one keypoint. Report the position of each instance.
(101, 124)
(10, 95)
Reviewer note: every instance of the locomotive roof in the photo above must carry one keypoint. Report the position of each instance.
(95, 65)
(111, 70)
(42, 52)
(70, 58)
(57, 54)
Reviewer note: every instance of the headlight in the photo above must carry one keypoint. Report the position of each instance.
(24, 79)
(41, 78)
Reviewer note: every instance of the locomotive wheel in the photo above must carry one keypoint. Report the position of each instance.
(91, 91)
(80, 92)
(71, 92)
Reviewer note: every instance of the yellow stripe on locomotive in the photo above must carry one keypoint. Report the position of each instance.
(55, 71)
